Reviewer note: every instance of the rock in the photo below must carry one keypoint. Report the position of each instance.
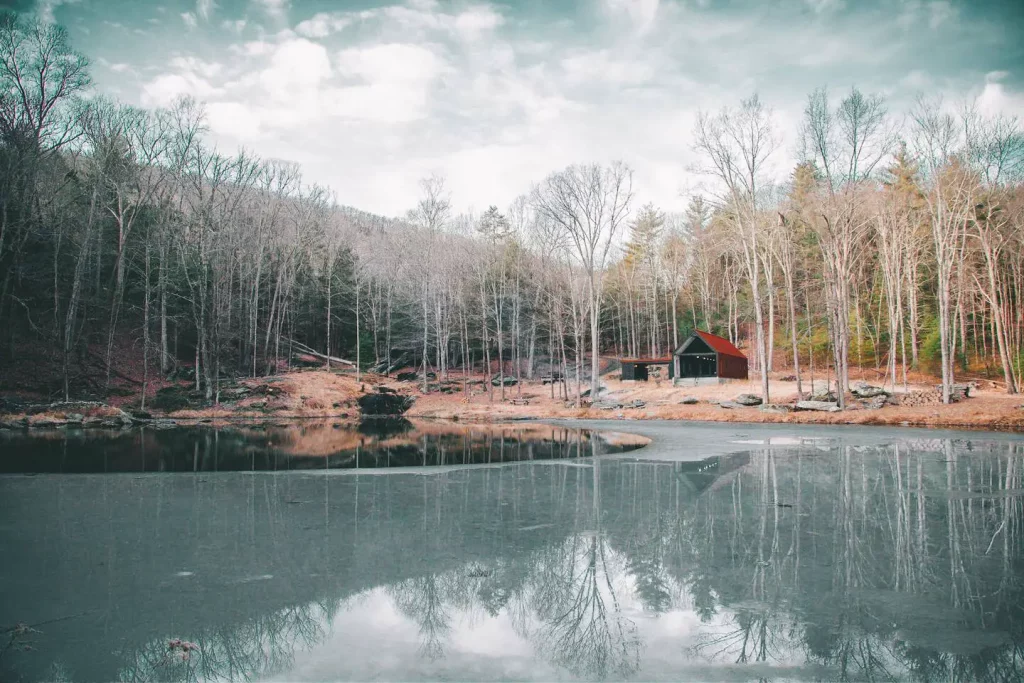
(75, 418)
(864, 390)
(636, 404)
(110, 423)
(774, 408)
(45, 422)
(689, 401)
(875, 402)
(406, 376)
(748, 400)
(385, 404)
(826, 406)
(825, 396)
(141, 414)
(509, 381)
(606, 405)
(788, 378)
(731, 405)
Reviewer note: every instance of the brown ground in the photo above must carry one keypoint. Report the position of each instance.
(318, 394)
(989, 408)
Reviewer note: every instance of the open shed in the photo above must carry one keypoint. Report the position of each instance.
(706, 355)
(638, 369)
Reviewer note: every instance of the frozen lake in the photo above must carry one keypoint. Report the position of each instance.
(718, 552)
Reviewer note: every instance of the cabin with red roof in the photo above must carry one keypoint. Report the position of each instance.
(707, 356)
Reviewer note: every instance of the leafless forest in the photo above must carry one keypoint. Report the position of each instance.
(897, 242)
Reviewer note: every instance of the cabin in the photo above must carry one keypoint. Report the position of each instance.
(706, 356)
(638, 369)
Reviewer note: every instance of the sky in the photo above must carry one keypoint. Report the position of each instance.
(369, 96)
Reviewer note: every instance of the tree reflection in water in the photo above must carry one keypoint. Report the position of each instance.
(885, 563)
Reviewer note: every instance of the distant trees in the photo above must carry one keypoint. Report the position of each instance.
(589, 204)
(734, 146)
(124, 236)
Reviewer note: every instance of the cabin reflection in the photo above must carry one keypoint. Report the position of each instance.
(895, 562)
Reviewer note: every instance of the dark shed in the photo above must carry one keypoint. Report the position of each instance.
(708, 355)
(639, 368)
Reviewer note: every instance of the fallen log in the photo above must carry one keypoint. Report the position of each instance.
(316, 354)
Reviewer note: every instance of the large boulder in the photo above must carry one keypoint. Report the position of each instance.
(730, 405)
(748, 400)
(689, 401)
(383, 403)
(825, 406)
(865, 390)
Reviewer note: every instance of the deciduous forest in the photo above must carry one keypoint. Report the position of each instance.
(132, 249)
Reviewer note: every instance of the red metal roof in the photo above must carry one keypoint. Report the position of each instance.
(720, 344)
(648, 361)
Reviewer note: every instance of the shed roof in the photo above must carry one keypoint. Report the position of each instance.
(717, 344)
(720, 344)
(647, 361)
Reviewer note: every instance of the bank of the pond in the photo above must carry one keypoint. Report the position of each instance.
(318, 394)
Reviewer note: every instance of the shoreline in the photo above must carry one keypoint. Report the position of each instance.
(322, 395)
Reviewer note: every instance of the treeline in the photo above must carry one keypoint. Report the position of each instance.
(124, 235)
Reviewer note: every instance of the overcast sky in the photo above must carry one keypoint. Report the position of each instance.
(369, 96)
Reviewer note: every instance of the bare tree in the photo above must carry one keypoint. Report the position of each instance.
(590, 204)
(736, 145)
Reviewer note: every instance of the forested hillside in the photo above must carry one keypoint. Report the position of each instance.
(131, 249)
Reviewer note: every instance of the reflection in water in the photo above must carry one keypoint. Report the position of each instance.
(299, 446)
(903, 561)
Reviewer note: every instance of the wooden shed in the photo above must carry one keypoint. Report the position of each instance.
(638, 369)
(708, 355)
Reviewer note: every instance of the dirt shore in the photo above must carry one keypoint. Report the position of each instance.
(986, 409)
(319, 394)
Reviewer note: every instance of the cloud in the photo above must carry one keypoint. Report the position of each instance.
(641, 13)
(274, 8)
(189, 19)
(601, 67)
(391, 62)
(477, 21)
(322, 25)
(823, 6)
(164, 89)
(995, 99)
(296, 68)
(204, 8)
(497, 99)
(232, 119)
(45, 8)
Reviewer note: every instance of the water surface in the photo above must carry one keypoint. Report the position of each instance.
(840, 558)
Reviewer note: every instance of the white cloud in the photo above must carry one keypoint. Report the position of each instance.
(45, 8)
(383, 103)
(822, 6)
(641, 13)
(497, 104)
(236, 26)
(165, 88)
(391, 62)
(275, 8)
(189, 19)
(599, 66)
(322, 25)
(204, 8)
(296, 68)
(995, 99)
(477, 21)
(233, 119)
